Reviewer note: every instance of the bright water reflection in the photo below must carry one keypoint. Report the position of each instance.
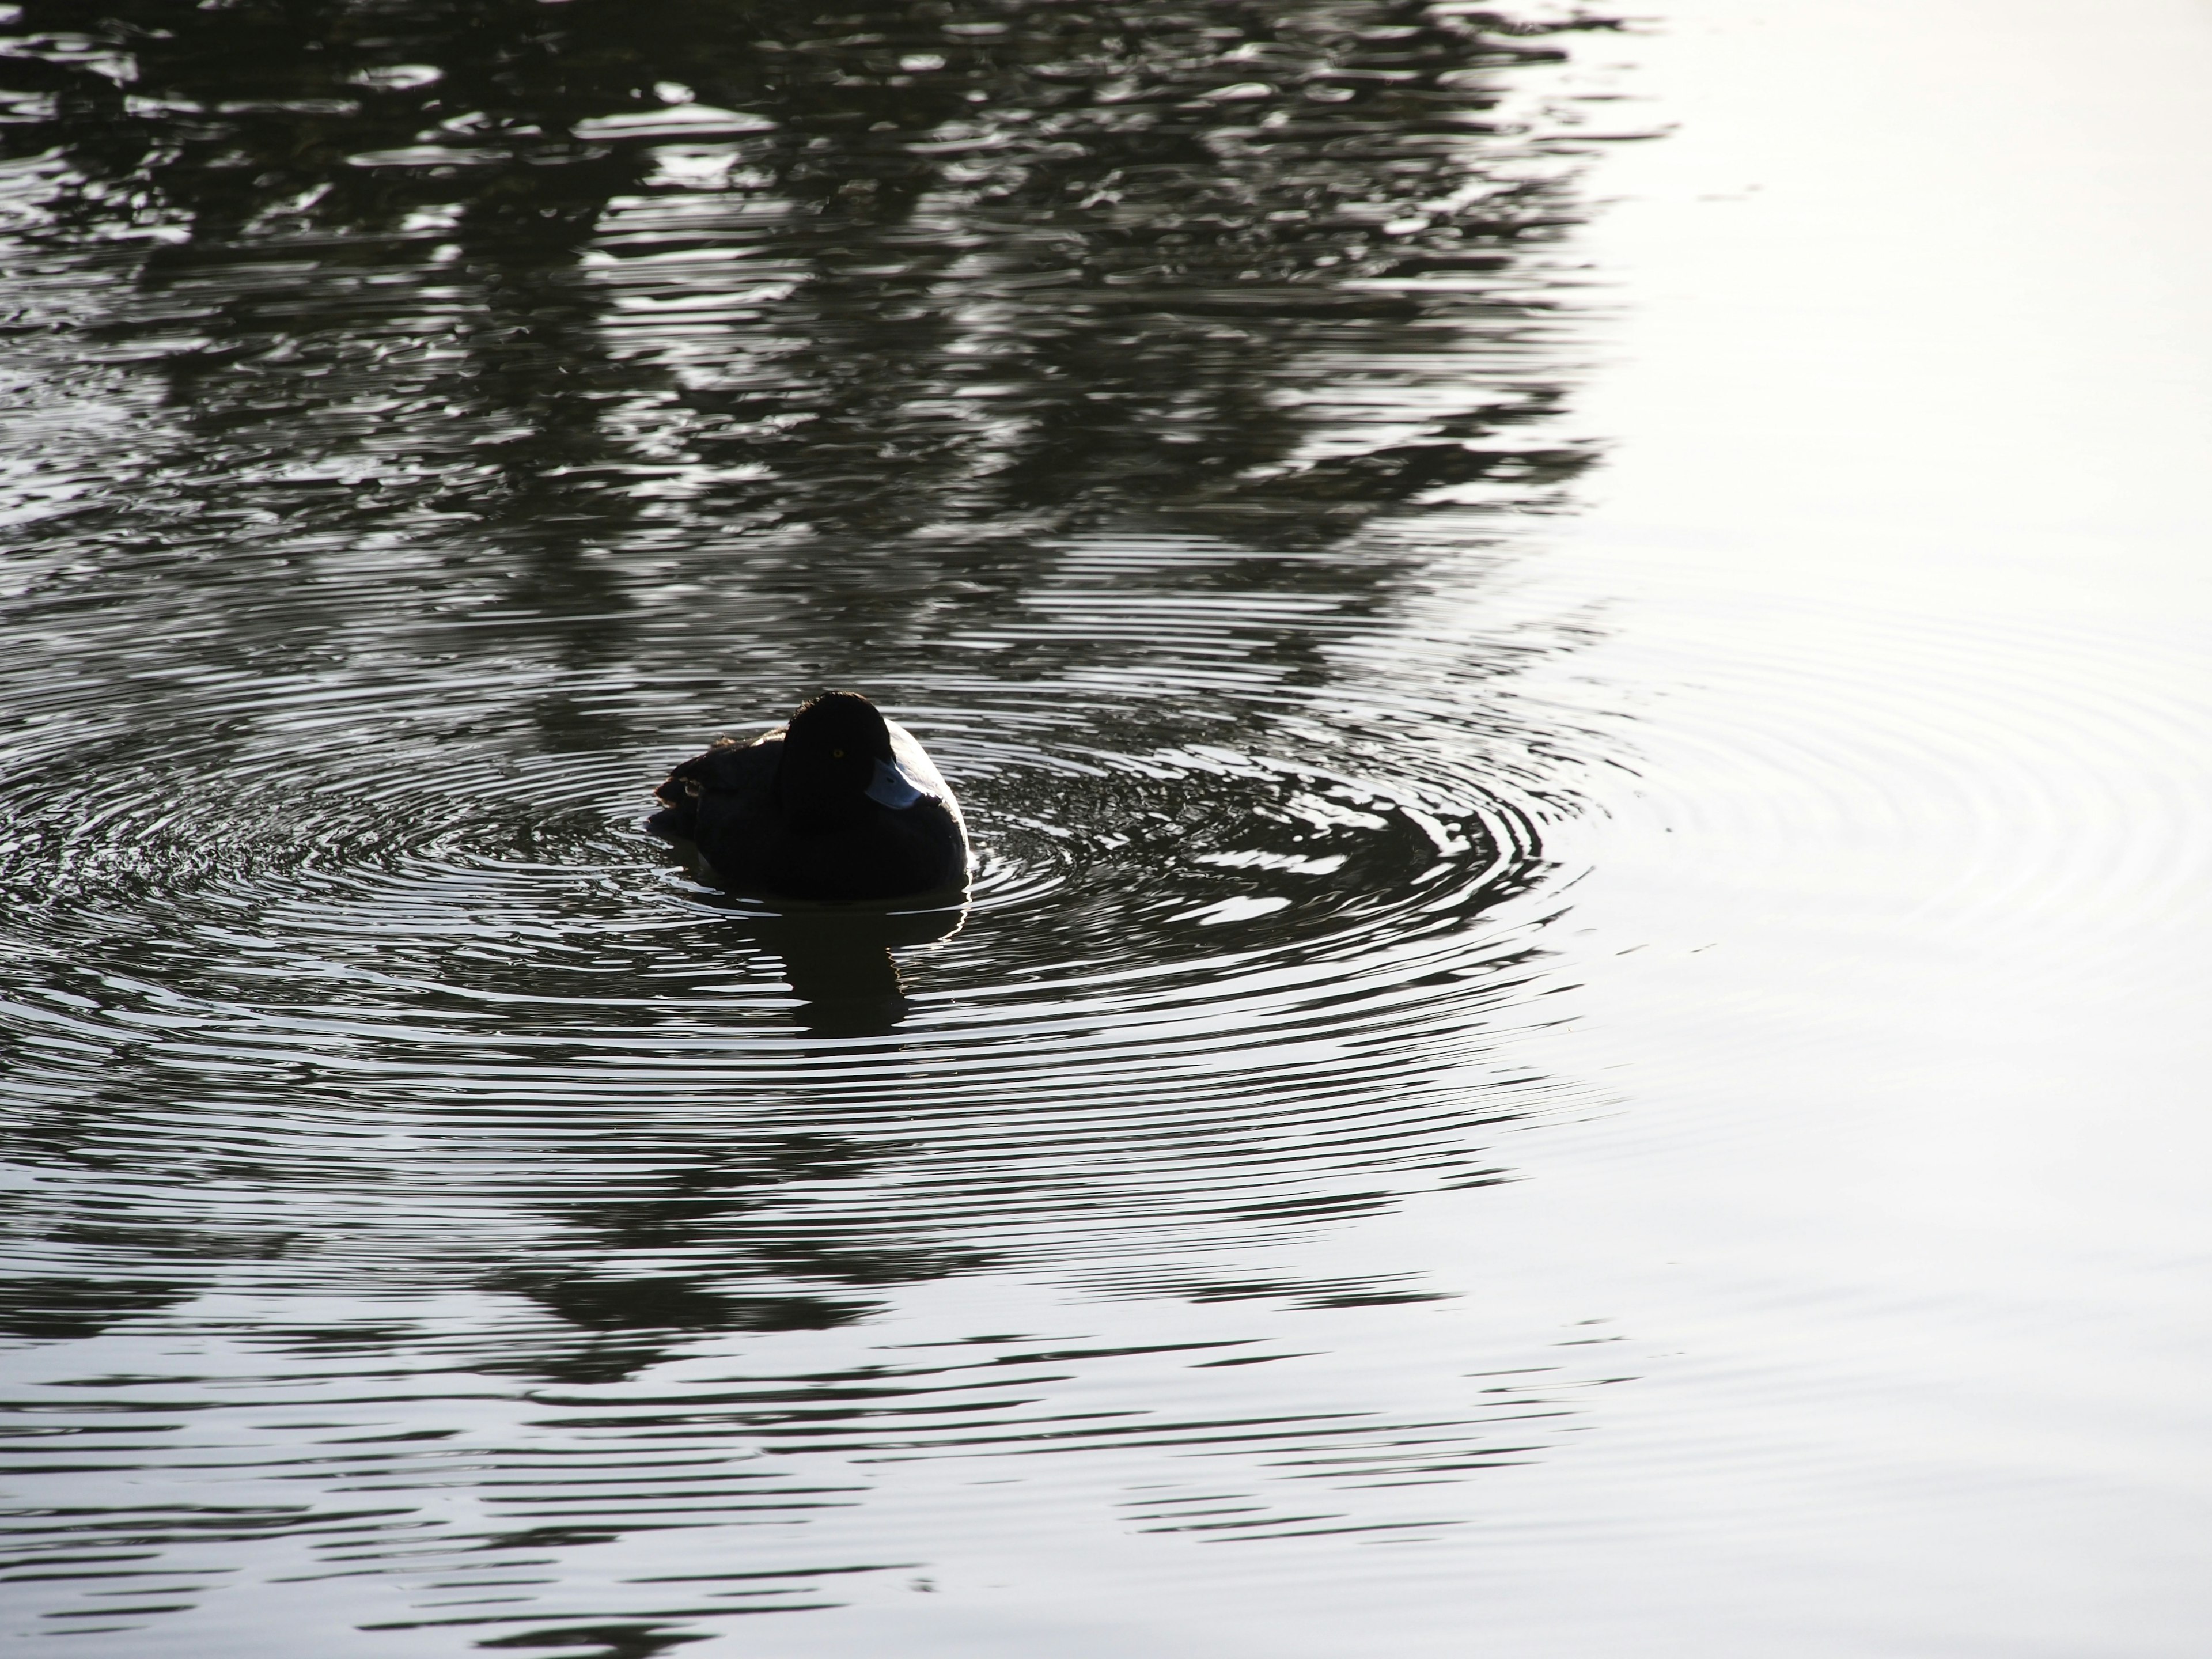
(430, 420)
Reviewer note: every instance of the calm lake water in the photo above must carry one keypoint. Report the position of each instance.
(1575, 655)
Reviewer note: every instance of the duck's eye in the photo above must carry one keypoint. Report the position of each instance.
(693, 788)
(836, 754)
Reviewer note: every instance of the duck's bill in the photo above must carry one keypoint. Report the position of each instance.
(892, 788)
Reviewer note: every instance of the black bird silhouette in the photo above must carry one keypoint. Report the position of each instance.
(840, 803)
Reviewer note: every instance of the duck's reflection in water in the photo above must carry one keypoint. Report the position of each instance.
(836, 958)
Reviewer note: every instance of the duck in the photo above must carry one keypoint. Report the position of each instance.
(837, 803)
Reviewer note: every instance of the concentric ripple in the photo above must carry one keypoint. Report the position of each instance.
(455, 929)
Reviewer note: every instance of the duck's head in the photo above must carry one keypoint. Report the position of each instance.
(837, 760)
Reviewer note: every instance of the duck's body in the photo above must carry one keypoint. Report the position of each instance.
(840, 803)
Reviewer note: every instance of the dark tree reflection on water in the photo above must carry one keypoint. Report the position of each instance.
(409, 376)
(1027, 267)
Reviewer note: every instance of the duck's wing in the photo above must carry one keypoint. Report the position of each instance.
(737, 766)
(739, 774)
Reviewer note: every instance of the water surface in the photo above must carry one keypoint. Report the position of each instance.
(1580, 1028)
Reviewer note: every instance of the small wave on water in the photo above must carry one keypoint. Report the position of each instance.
(422, 1185)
